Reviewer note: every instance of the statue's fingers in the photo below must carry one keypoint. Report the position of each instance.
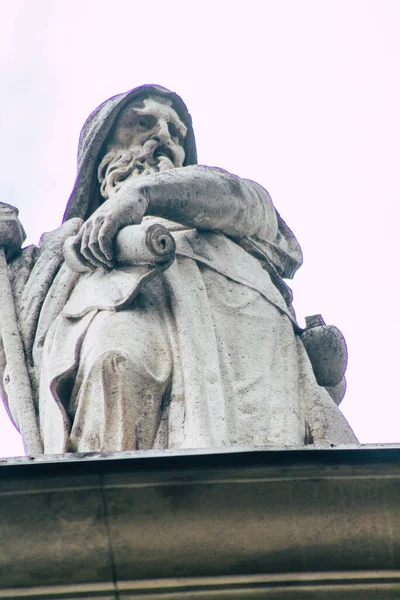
(94, 245)
(86, 253)
(107, 233)
(84, 235)
(85, 249)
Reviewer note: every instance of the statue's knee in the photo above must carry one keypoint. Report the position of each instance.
(117, 365)
(112, 363)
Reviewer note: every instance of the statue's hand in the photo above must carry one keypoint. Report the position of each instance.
(12, 233)
(94, 244)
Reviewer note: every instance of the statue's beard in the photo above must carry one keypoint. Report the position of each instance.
(119, 165)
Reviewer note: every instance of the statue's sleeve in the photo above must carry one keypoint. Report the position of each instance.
(210, 198)
(275, 245)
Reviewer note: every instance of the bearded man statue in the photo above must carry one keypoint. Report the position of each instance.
(202, 351)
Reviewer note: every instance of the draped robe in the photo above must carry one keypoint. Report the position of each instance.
(240, 374)
(278, 402)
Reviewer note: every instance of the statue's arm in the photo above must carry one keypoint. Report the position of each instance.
(196, 196)
(210, 198)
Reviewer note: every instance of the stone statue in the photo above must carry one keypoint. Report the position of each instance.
(156, 316)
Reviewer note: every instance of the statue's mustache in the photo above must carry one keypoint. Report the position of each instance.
(152, 150)
(164, 150)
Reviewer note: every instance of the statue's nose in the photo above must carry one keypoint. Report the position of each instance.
(161, 132)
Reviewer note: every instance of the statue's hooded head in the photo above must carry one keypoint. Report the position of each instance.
(96, 132)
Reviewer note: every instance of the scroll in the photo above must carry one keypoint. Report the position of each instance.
(141, 254)
(136, 245)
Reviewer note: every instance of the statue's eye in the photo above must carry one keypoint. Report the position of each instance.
(173, 130)
(145, 123)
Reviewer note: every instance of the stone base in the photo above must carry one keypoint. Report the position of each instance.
(292, 524)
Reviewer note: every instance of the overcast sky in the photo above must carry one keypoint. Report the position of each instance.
(301, 96)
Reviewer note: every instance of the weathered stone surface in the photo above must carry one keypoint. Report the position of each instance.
(248, 524)
(326, 349)
(189, 342)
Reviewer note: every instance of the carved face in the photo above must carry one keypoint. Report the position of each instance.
(147, 138)
(154, 120)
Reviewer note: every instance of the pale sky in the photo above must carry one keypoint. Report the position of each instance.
(301, 96)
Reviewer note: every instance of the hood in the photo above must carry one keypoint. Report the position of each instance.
(85, 196)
